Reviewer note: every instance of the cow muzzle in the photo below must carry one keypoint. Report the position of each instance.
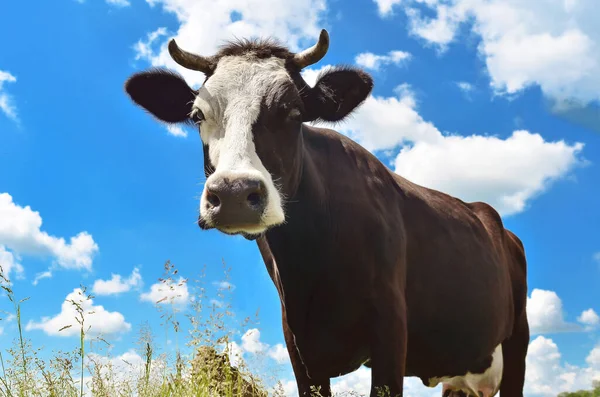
(234, 205)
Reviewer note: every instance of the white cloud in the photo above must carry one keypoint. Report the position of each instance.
(7, 105)
(279, 353)
(368, 60)
(593, 359)
(20, 231)
(589, 318)
(551, 44)
(99, 320)
(206, 24)
(216, 303)
(234, 352)
(465, 87)
(290, 388)
(9, 264)
(385, 7)
(251, 341)
(117, 284)
(224, 285)
(545, 313)
(547, 376)
(358, 381)
(438, 31)
(504, 172)
(168, 292)
(41, 276)
(252, 344)
(177, 130)
(116, 3)
(596, 257)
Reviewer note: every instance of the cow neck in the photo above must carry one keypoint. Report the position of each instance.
(294, 251)
(306, 211)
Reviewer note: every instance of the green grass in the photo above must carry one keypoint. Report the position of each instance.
(201, 367)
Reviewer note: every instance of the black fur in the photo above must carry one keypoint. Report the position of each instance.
(163, 93)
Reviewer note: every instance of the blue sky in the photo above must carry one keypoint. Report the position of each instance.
(486, 100)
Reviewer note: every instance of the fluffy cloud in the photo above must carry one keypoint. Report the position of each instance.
(505, 172)
(9, 264)
(545, 313)
(386, 6)
(252, 344)
(117, 284)
(206, 24)
(547, 376)
(589, 318)
(368, 60)
(20, 231)
(176, 293)
(99, 320)
(7, 105)
(551, 44)
(279, 353)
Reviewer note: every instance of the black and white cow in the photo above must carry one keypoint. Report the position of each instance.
(371, 269)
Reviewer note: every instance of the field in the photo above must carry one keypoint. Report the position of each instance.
(205, 365)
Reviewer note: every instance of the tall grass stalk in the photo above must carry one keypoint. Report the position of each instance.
(206, 366)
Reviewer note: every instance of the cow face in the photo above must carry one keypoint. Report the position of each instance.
(250, 111)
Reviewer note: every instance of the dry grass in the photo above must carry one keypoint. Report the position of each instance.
(201, 367)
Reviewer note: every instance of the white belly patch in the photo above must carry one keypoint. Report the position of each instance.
(486, 384)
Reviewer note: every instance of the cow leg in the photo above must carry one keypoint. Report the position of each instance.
(388, 344)
(307, 387)
(514, 351)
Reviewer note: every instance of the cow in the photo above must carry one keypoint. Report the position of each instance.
(371, 268)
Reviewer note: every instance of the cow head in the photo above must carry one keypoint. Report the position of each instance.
(250, 111)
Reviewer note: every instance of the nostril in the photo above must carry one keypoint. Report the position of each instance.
(213, 199)
(255, 199)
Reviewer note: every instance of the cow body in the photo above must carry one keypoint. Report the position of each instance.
(356, 230)
(370, 268)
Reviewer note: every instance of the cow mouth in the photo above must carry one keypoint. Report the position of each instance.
(238, 230)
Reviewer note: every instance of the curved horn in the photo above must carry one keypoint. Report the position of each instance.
(189, 60)
(315, 53)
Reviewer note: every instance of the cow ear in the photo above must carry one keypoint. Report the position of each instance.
(337, 93)
(163, 93)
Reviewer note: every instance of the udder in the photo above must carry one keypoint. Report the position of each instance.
(484, 384)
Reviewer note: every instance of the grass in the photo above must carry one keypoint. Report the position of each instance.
(201, 367)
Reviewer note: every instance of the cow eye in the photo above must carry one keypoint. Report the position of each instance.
(197, 116)
(294, 115)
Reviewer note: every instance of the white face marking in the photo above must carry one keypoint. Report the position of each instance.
(230, 101)
(488, 383)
